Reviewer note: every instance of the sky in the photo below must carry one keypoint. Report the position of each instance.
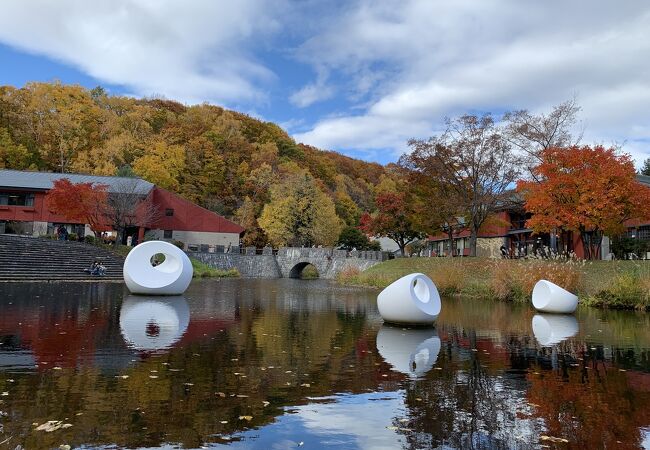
(359, 77)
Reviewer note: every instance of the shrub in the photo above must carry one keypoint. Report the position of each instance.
(628, 290)
(89, 239)
(449, 277)
(179, 244)
(349, 275)
(515, 280)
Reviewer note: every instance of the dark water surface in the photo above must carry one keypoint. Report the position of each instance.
(274, 364)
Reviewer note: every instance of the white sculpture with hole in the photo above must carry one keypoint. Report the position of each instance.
(550, 329)
(551, 298)
(412, 352)
(413, 299)
(171, 277)
(153, 324)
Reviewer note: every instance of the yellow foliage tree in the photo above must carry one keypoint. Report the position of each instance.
(300, 214)
(162, 165)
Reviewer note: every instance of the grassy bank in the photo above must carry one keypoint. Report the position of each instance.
(202, 270)
(612, 284)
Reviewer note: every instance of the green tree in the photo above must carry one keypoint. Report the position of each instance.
(352, 238)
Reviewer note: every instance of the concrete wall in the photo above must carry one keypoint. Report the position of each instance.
(328, 262)
(198, 237)
(249, 266)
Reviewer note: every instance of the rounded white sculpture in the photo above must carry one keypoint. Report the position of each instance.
(550, 329)
(153, 323)
(413, 299)
(551, 298)
(171, 277)
(412, 352)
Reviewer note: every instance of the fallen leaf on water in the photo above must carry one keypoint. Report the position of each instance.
(53, 425)
(5, 393)
(249, 418)
(553, 439)
(266, 403)
(305, 385)
(64, 447)
(223, 421)
(242, 396)
(56, 368)
(220, 394)
(153, 376)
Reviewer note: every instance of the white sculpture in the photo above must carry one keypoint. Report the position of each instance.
(412, 352)
(153, 323)
(551, 298)
(171, 277)
(413, 299)
(552, 329)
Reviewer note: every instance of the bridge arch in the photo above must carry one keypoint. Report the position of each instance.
(297, 269)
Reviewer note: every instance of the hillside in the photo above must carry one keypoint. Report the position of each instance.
(223, 160)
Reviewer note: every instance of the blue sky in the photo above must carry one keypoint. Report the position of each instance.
(360, 77)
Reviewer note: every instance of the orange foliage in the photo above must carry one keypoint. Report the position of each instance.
(79, 202)
(585, 188)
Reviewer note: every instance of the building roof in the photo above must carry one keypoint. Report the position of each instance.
(643, 179)
(45, 180)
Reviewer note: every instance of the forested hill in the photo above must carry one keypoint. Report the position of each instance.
(225, 161)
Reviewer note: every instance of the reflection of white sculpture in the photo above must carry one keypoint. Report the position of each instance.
(412, 299)
(552, 329)
(412, 352)
(171, 277)
(153, 323)
(549, 297)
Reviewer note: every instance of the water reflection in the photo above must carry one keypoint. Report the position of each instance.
(264, 364)
(411, 351)
(153, 323)
(550, 329)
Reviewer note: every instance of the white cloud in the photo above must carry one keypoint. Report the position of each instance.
(191, 51)
(450, 57)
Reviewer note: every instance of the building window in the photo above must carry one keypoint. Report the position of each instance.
(16, 199)
(167, 234)
(169, 212)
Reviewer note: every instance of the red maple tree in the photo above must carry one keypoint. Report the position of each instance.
(80, 202)
(589, 190)
(393, 219)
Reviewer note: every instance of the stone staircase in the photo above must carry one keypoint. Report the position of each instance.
(35, 259)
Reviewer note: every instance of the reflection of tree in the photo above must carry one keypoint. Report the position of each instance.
(463, 405)
(592, 407)
(275, 353)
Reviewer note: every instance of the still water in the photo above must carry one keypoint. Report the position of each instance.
(274, 364)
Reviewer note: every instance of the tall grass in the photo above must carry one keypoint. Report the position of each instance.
(613, 284)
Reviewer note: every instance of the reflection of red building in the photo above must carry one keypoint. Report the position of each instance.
(23, 209)
(507, 229)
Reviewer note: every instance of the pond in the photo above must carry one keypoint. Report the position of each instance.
(274, 364)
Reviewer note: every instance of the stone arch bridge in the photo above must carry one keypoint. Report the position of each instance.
(287, 262)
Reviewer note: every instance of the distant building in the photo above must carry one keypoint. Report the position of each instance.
(23, 210)
(506, 232)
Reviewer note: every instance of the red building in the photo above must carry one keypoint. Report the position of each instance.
(23, 210)
(506, 233)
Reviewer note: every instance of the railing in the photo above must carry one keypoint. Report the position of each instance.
(305, 252)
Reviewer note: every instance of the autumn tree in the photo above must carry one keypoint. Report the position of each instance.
(393, 219)
(80, 202)
(12, 156)
(130, 204)
(475, 162)
(531, 134)
(437, 208)
(300, 214)
(592, 191)
(162, 165)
